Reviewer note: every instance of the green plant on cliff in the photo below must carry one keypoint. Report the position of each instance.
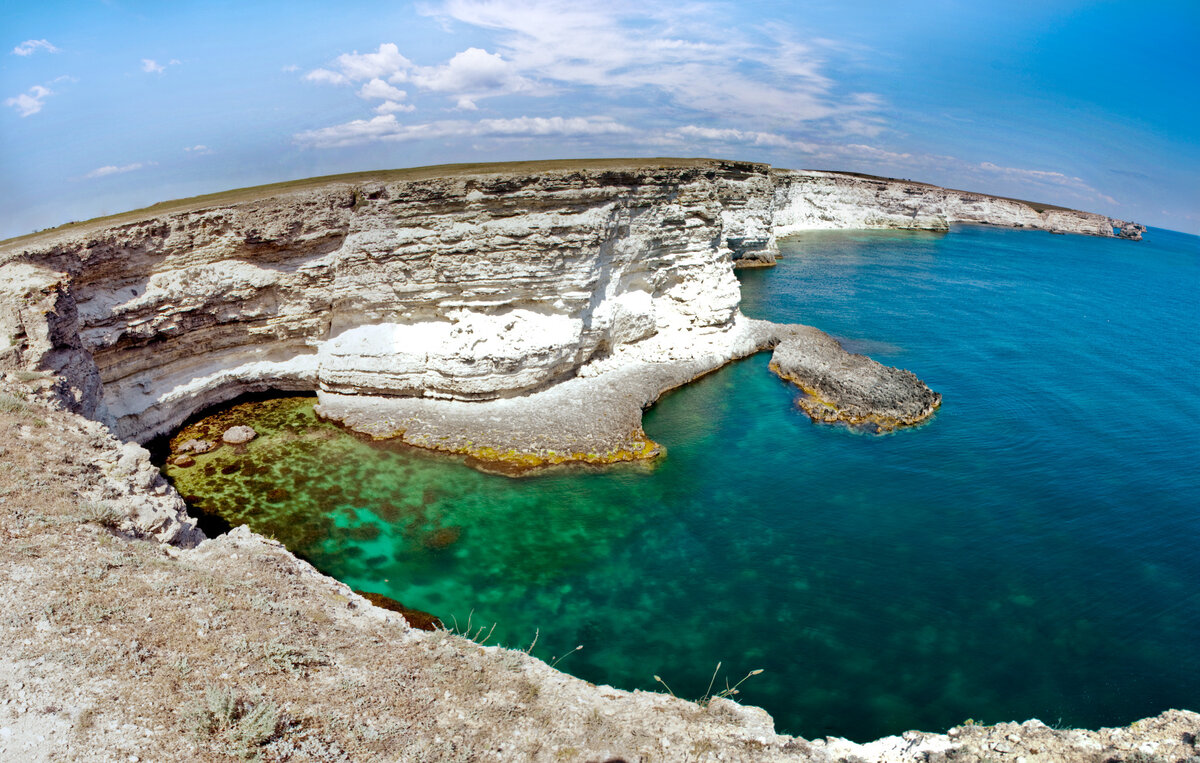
(467, 630)
(12, 404)
(101, 514)
(232, 724)
(709, 694)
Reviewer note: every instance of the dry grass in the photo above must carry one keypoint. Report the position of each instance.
(254, 193)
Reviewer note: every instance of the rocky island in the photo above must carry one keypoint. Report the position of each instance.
(521, 315)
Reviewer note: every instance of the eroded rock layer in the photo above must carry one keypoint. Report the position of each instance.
(812, 200)
(451, 285)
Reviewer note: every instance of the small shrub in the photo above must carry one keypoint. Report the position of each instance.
(12, 404)
(102, 514)
(233, 724)
(293, 659)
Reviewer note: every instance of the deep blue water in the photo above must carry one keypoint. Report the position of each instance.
(1033, 551)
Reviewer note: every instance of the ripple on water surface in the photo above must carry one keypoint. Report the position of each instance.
(1029, 553)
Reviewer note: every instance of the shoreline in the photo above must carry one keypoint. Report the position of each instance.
(123, 663)
(596, 417)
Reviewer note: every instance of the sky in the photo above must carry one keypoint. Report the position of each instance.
(108, 105)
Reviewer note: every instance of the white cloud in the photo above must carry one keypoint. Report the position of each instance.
(1043, 176)
(377, 88)
(290, 68)
(391, 107)
(324, 75)
(112, 169)
(150, 66)
(386, 63)
(728, 135)
(691, 57)
(1048, 179)
(386, 128)
(29, 47)
(872, 152)
(200, 149)
(473, 74)
(467, 77)
(30, 102)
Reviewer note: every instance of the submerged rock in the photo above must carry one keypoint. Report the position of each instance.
(239, 435)
(196, 446)
(443, 537)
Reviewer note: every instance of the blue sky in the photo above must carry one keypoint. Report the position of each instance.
(113, 105)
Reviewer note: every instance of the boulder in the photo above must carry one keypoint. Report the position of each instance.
(196, 446)
(238, 435)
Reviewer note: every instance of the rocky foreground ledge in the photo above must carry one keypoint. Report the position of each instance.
(121, 646)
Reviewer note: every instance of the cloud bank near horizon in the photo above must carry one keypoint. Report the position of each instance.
(727, 84)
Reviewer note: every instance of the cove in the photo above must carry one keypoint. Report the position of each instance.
(1028, 553)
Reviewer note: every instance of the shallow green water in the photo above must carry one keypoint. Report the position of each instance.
(1032, 552)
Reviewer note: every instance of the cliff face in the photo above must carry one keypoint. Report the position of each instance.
(464, 286)
(809, 200)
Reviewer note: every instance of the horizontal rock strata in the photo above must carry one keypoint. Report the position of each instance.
(811, 200)
(424, 288)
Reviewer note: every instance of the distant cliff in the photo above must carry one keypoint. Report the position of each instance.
(807, 200)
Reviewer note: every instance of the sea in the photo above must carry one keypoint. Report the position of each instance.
(1033, 551)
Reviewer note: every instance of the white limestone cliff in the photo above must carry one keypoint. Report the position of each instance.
(441, 284)
(811, 200)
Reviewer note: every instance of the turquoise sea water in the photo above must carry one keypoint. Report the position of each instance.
(1034, 551)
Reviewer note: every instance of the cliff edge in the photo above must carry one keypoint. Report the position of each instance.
(553, 302)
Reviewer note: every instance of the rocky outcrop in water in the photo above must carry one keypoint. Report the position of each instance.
(850, 388)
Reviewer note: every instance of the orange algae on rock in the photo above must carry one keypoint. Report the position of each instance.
(414, 617)
(826, 411)
(638, 447)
